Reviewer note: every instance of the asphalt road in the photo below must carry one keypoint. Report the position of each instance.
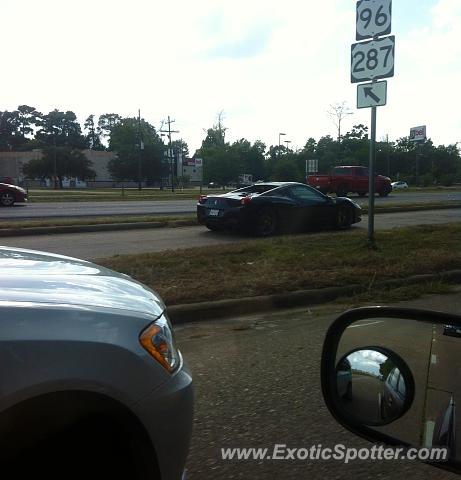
(84, 209)
(105, 244)
(257, 384)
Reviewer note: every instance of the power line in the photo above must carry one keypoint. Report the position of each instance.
(170, 156)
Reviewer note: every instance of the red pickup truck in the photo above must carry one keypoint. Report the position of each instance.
(344, 180)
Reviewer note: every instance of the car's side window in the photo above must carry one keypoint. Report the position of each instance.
(361, 172)
(279, 192)
(342, 171)
(301, 193)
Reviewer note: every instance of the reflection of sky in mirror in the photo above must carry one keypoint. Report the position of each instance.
(367, 361)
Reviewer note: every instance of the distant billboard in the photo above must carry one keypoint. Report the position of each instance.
(418, 134)
(192, 162)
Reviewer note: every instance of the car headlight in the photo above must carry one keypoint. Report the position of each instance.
(158, 340)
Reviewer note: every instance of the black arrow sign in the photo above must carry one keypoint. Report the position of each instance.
(369, 93)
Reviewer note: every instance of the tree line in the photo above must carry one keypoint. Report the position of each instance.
(401, 159)
(141, 151)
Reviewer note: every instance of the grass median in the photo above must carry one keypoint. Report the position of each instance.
(116, 195)
(293, 262)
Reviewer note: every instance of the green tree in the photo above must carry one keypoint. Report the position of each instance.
(286, 169)
(327, 154)
(251, 158)
(221, 162)
(180, 146)
(58, 163)
(60, 129)
(9, 130)
(28, 117)
(106, 123)
(136, 142)
(355, 146)
(92, 137)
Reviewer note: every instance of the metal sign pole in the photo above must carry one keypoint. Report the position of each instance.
(371, 179)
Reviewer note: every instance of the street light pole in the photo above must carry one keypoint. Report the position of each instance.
(55, 159)
(287, 142)
(280, 134)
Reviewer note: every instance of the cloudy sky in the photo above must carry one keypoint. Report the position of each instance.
(271, 66)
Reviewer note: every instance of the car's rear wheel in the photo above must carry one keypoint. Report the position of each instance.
(341, 191)
(344, 218)
(266, 223)
(213, 227)
(6, 199)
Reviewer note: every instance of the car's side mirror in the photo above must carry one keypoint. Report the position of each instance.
(393, 375)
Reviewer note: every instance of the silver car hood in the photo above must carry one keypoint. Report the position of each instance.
(27, 276)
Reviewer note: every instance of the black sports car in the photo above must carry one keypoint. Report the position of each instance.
(271, 207)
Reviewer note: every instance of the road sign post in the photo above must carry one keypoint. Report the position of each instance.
(371, 178)
(372, 60)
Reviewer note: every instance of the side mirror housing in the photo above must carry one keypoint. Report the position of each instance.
(393, 375)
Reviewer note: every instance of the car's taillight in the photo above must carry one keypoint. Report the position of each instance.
(245, 200)
(202, 199)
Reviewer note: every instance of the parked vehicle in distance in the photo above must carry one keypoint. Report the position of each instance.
(399, 185)
(349, 179)
(91, 381)
(271, 207)
(11, 194)
(214, 185)
(8, 180)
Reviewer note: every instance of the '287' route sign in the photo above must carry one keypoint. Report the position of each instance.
(372, 60)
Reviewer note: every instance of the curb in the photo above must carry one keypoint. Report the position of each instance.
(102, 227)
(195, 312)
(108, 227)
(414, 208)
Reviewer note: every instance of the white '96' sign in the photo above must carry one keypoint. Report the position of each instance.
(374, 18)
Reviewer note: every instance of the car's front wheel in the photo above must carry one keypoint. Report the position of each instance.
(385, 191)
(6, 199)
(266, 223)
(344, 218)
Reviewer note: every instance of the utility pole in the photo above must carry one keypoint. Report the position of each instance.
(388, 157)
(141, 148)
(170, 156)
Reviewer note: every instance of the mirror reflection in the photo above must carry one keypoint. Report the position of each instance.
(374, 358)
(371, 387)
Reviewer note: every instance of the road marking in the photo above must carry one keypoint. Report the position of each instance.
(366, 324)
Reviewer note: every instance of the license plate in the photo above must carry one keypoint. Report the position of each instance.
(213, 213)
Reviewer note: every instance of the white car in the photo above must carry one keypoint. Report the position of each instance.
(398, 185)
